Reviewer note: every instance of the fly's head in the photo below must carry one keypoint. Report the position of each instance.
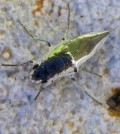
(38, 74)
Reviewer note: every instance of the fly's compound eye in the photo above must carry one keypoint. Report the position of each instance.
(35, 66)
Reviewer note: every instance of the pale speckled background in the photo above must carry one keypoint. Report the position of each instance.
(62, 107)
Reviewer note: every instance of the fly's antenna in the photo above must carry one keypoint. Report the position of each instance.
(68, 22)
(33, 36)
(14, 65)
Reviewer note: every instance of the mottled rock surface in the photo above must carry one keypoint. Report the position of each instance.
(62, 107)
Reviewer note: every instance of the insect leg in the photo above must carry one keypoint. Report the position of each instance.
(76, 68)
(93, 98)
(84, 90)
(33, 36)
(84, 69)
(38, 93)
(30, 61)
(74, 65)
(68, 23)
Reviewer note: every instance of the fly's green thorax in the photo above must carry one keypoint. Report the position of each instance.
(80, 46)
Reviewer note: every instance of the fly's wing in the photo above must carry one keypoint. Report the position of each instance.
(85, 44)
(80, 46)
